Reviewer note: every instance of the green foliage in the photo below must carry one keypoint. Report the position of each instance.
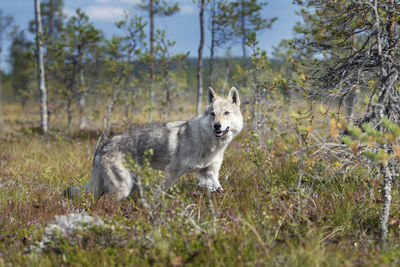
(160, 7)
(368, 141)
(52, 19)
(23, 64)
(264, 79)
(133, 27)
(78, 40)
(245, 17)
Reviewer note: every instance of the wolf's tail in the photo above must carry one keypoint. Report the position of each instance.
(94, 186)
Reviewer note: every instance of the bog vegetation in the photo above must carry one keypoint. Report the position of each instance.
(312, 180)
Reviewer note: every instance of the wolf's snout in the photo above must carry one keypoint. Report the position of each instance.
(217, 126)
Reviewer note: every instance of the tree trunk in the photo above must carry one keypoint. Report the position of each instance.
(82, 101)
(69, 114)
(110, 106)
(200, 62)
(387, 199)
(212, 47)
(351, 97)
(41, 76)
(391, 30)
(151, 69)
(243, 28)
(386, 106)
(168, 100)
(388, 95)
(349, 103)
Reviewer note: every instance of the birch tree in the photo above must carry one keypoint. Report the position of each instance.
(40, 67)
(52, 24)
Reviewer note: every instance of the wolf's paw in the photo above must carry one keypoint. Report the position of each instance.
(219, 190)
(211, 185)
(214, 189)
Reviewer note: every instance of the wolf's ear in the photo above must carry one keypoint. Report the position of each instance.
(211, 95)
(233, 96)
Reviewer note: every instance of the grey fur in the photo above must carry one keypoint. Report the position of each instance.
(178, 148)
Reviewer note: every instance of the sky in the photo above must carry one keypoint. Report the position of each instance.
(183, 27)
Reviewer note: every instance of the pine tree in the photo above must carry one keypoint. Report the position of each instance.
(245, 16)
(23, 65)
(117, 71)
(199, 98)
(219, 30)
(160, 8)
(77, 41)
(359, 42)
(133, 39)
(165, 60)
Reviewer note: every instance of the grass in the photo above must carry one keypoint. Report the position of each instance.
(261, 218)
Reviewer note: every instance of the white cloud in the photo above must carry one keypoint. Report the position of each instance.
(131, 2)
(104, 13)
(68, 12)
(187, 9)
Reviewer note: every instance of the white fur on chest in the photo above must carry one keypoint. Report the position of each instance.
(205, 156)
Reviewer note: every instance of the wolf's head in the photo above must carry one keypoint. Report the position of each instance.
(223, 115)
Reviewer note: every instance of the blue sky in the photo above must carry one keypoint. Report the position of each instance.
(182, 27)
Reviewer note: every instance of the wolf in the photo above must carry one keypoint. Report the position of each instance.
(196, 145)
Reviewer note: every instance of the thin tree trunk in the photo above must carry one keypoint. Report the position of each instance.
(243, 28)
(212, 48)
(151, 89)
(167, 89)
(200, 62)
(385, 212)
(126, 106)
(82, 101)
(69, 113)
(110, 107)
(350, 101)
(41, 76)
(387, 88)
(392, 27)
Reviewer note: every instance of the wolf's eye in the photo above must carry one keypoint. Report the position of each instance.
(226, 113)
(212, 114)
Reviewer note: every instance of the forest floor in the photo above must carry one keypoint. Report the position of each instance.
(262, 218)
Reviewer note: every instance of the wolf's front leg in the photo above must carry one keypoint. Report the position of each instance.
(208, 177)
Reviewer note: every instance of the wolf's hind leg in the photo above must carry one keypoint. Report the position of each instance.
(96, 182)
(118, 180)
(170, 177)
